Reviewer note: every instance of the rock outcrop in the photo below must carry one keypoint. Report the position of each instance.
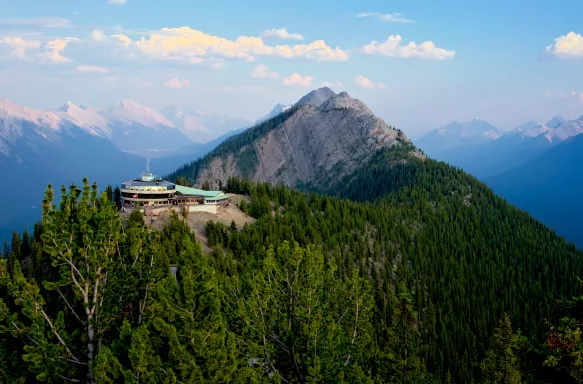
(310, 144)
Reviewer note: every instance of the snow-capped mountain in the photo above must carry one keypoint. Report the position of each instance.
(200, 127)
(38, 148)
(129, 112)
(91, 120)
(58, 147)
(496, 151)
(14, 116)
(135, 127)
(128, 125)
(279, 108)
(533, 129)
(565, 130)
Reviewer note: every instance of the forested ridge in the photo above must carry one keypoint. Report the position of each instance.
(422, 276)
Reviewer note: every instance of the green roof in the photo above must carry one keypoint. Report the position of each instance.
(222, 197)
(197, 192)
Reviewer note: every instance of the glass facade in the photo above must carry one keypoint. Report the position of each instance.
(146, 196)
(134, 187)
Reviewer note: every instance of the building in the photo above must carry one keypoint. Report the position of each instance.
(152, 193)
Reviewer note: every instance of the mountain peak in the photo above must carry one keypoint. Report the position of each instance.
(304, 144)
(12, 111)
(555, 121)
(131, 112)
(344, 101)
(526, 126)
(69, 105)
(279, 108)
(317, 97)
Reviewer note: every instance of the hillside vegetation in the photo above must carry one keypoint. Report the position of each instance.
(408, 283)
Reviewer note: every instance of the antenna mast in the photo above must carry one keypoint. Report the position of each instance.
(148, 164)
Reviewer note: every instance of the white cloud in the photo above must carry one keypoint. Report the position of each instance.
(297, 80)
(331, 84)
(391, 17)
(117, 2)
(189, 45)
(392, 47)
(20, 46)
(564, 95)
(364, 82)
(262, 72)
(55, 47)
(38, 22)
(91, 68)
(98, 35)
(281, 33)
(569, 46)
(125, 40)
(175, 83)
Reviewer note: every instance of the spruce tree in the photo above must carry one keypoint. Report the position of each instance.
(117, 197)
(501, 364)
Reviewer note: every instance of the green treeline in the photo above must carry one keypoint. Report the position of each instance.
(424, 277)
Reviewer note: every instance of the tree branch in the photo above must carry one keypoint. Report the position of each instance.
(56, 333)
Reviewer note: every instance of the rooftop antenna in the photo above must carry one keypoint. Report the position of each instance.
(147, 176)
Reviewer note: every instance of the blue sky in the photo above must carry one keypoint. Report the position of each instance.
(506, 62)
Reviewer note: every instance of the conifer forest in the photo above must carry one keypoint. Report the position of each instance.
(401, 272)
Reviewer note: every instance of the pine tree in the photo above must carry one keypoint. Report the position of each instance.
(82, 238)
(25, 245)
(402, 356)
(15, 254)
(109, 194)
(501, 365)
(299, 321)
(117, 197)
(6, 252)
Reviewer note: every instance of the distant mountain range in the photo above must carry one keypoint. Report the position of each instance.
(485, 151)
(107, 146)
(535, 166)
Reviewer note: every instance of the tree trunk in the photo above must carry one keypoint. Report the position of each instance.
(90, 336)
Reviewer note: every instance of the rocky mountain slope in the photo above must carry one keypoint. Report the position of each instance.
(304, 144)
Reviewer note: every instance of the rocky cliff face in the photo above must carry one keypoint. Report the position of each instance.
(311, 143)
